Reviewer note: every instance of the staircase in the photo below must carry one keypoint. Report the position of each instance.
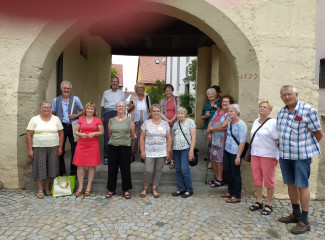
(168, 183)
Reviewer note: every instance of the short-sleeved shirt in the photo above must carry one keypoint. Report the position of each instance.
(264, 144)
(65, 107)
(180, 142)
(45, 132)
(155, 144)
(120, 132)
(296, 140)
(110, 98)
(207, 107)
(239, 130)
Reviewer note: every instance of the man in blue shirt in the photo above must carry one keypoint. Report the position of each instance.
(61, 107)
(299, 132)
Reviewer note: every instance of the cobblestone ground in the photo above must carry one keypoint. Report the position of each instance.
(202, 216)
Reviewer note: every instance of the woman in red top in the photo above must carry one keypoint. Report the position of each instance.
(169, 106)
(87, 154)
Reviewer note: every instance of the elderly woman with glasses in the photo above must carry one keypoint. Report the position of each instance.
(155, 144)
(44, 140)
(235, 143)
(185, 137)
(121, 131)
(139, 109)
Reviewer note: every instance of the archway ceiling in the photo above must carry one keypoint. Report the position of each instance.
(151, 34)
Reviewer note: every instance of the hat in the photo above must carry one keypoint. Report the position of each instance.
(217, 88)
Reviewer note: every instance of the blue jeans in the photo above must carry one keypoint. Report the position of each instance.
(232, 172)
(183, 172)
(296, 171)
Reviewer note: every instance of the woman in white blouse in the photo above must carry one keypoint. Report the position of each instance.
(139, 109)
(264, 153)
(44, 139)
(155, 144)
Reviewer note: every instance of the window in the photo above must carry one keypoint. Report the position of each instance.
(322, 73)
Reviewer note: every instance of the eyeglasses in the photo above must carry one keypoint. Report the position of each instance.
(287, 95)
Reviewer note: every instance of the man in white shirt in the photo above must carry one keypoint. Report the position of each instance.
(110, 98)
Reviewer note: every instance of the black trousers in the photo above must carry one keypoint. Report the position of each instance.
(67, 128)
(232, 172)
(119, 157)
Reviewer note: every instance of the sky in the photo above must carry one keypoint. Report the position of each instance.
(130, 66)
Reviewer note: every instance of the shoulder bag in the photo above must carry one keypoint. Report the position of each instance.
(246, 143)
(247, 156)
(73, 123)
(195, 160)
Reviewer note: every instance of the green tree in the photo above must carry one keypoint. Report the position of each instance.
(191, 74)
(156, 93)
(114, 72)
(187, 101)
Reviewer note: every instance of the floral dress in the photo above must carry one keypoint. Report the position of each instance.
(218, 139)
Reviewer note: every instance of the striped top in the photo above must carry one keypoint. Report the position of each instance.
(296, 140)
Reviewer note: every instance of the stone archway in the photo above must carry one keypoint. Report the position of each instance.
(41, 56)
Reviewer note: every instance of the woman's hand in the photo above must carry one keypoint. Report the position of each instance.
(60, 151)
(31, 154)
(209, 136)
(143, 155)
(167, 155)
(207, 114)
(190, 155)
(83, 135)
(91, 135)
(237, 160)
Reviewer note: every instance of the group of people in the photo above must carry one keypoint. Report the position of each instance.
(164, 135)
(292, 140)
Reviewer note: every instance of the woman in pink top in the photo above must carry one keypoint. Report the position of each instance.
(168, 107)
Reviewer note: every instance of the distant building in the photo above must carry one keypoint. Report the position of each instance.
(151, 69)
(119, 69)
(177, 70)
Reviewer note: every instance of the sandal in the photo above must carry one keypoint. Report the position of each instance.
(171, 165)
(40, 194)
(143, 194)
(167, 162)
(78, 193)
(212, 181)
(217, 183)
(266, 211)
(256, 206)
(47, 192)
(226, 195)
(110, 194)
(88, 193)
(233, 200)
(155, 194)
(127, 195)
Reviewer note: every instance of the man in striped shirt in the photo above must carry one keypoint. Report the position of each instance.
(299, 133)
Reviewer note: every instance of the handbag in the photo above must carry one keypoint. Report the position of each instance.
(246, 143)
(247, 156)
(74, 123)
(63, 186)
(195, 160)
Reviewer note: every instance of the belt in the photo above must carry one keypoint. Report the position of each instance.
(66, 124)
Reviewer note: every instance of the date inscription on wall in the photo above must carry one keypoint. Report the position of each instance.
(248, 76)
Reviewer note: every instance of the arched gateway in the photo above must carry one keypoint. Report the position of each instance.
(233, 52)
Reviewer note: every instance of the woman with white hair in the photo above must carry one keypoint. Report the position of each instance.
(140, 110)
(235, 142)
(210, 107)
(183, 150)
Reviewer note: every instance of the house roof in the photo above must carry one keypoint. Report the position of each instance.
(119, 69)
(152, 69)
